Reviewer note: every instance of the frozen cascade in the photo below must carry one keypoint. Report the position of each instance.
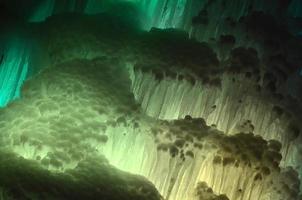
(21, 57)
(233, 108)
(169, 14)
(69, 112)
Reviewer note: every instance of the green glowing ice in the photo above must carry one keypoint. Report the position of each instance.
(13, 69)
(155, 13)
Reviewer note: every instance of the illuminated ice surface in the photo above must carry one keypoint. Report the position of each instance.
(167, 13)
(83, 109)
(198, 120)
(15, 60)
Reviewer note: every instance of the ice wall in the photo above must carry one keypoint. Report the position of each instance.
(235, 107)
(180, 14)
(83, 109)
(95, 104)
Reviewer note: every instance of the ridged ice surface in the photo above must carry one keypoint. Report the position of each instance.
(83, 109)
(199, 120)
(166, 13)
(173, 77)
(237, 106)
(14, 66)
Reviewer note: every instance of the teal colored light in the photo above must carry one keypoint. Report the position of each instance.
(295, 8)
(13, 69)
(48, 8)
(154, 13)
(163, 13)
(44, 10)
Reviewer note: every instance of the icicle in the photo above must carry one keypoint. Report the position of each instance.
(231, 108)
(13, 69)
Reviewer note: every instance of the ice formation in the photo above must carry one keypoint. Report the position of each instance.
(69, 113)
(165, 94)
(232, 108)
(171, 14)
(15, 59)
(200, 120)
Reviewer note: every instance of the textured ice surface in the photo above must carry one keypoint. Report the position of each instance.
(93, 178)
(85, 109)
(171, 79)
(139, 99)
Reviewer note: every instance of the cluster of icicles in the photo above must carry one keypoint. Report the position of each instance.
(233, 109)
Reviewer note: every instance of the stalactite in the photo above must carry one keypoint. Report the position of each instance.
(231, 108)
